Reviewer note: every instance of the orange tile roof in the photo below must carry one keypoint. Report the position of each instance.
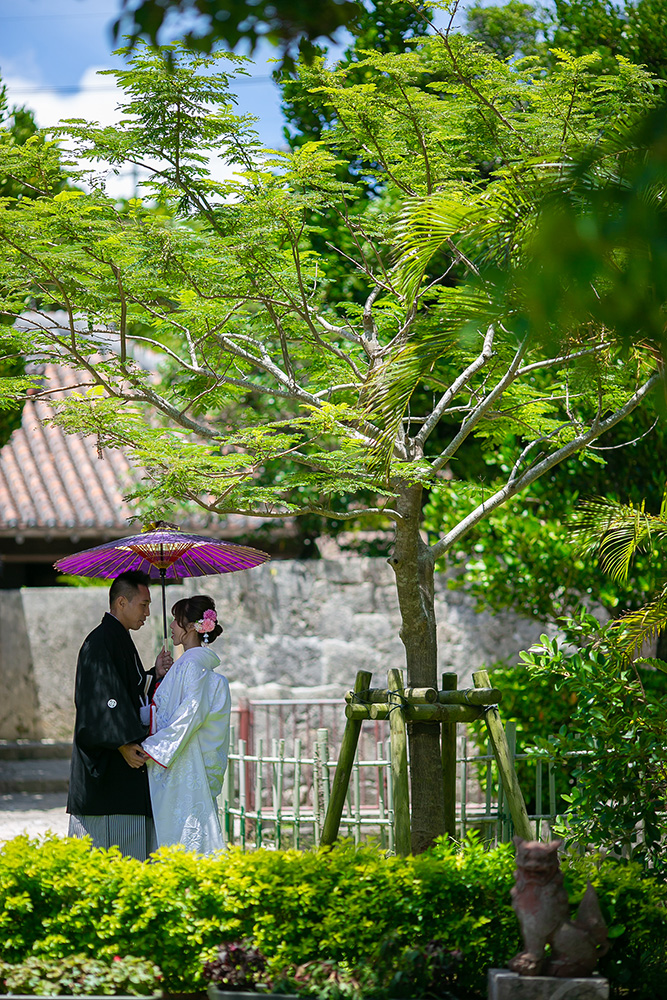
(53, 483)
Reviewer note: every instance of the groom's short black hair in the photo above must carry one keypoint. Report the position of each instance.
(127, 585)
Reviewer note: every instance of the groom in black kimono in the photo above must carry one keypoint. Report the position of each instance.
(108, 797)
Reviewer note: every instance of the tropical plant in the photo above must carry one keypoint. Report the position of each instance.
(612, 744)
(616, 532)
(272, 393)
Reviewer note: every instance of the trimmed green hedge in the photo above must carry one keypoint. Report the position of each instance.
(58, 898)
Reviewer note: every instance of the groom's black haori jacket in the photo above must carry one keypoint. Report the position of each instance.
(109, 683)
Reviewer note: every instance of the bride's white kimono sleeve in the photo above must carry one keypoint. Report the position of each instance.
(189, 752)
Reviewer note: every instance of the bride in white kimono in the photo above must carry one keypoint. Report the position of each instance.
(189, 740)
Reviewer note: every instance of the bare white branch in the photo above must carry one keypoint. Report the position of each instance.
(339, 331)
(483, 358)
(510, 489)
(481, 410)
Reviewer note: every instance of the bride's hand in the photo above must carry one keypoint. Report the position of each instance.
(163, 662)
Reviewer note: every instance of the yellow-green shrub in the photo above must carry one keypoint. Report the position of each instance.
(57, 898)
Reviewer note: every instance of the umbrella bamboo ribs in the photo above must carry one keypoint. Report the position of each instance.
(446, 707)
(164, 552)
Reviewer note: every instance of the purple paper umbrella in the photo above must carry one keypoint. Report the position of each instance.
(163, 553)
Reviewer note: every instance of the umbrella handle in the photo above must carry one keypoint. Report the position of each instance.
(163, 579)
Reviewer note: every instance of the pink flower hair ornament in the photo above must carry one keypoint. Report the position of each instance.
(206, 623)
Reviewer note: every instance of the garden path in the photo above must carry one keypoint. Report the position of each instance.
(33, 814)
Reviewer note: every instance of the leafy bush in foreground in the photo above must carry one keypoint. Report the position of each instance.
(59, 898)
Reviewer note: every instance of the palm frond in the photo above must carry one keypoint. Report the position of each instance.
(616, 532)
(493, 225)
(663, 504)
(424, 228)
(638, 627)
(653, 662)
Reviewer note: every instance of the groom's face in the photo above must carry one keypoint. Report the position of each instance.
(133, 612)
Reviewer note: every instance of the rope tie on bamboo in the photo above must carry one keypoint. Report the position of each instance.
(358, 697)
(400, 699)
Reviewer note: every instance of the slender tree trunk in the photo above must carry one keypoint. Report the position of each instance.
(413, 565)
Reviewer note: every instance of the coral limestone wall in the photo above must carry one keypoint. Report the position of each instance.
(289, 626)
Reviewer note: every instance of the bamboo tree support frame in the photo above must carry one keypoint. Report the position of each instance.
(445, 708)
(505, 763)
(348, 748)
(399, 763)
(448, 752)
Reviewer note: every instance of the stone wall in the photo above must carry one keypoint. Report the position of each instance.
(292, 629)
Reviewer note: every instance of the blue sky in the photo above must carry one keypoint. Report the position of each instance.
(50, 51)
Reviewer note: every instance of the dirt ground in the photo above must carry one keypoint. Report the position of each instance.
(33, 814)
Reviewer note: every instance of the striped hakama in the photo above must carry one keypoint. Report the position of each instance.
(134, 835)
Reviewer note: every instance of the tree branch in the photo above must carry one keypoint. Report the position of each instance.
(481, 410)
(500, 497)
(444, 401)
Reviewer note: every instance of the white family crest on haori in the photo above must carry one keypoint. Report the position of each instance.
(189, 745)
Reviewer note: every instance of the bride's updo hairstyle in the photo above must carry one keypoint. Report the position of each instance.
(192, 611)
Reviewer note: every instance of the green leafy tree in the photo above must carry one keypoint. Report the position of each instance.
(276, 393)
(635, 30)
(291, 24)
(383, 26)
(17, 127)
(508, 29)
(586, 230)
(595, 255)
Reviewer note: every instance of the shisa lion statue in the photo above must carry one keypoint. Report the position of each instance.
(540, 902)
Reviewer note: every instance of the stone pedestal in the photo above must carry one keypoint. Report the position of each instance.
(506, 985)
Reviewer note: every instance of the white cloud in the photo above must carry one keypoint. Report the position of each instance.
(97, 99)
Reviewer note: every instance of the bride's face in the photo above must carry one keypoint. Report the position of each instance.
(178, 633)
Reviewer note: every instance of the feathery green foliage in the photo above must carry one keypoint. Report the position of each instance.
(616, 532)
(212, 344)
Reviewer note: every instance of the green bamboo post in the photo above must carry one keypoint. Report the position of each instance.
(448, 752)
(506, 770)
(399, 765)
(348, 748)
(416, 713)
(416, 696)
(470, 696)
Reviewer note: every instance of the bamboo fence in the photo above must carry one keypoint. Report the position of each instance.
(277, 796)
